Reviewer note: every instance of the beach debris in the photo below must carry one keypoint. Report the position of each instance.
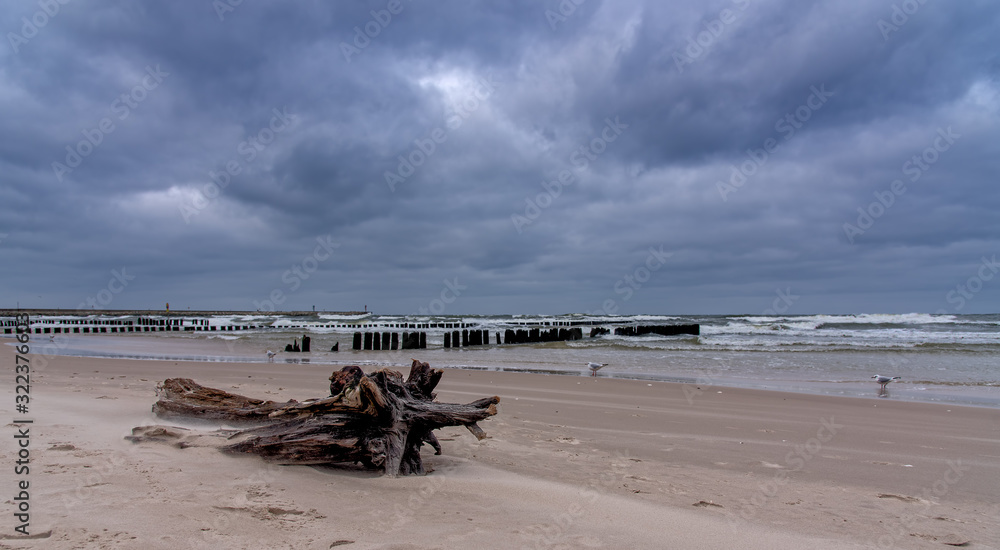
(951, 539)
(378, 420)
(899, 497)
(706, 504)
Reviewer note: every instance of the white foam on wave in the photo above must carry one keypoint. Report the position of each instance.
(331, 317)
(861, 318)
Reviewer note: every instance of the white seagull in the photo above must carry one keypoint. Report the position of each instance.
(884, 380)
(270, 355)
(594, 367)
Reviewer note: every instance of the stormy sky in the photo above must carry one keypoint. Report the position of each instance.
(457, 157)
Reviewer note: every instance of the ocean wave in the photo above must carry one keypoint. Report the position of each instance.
(358, 317)
(815, 321)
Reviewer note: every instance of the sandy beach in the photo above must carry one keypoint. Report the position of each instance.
(572, 462)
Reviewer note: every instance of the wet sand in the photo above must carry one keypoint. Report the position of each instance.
(572, 462)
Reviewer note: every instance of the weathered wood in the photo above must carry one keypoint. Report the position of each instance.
(378, 419)
(665, 330)
(183, 397)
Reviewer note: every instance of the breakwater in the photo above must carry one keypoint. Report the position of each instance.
(367, 335)
(662, 330)
(86, 325)
(465, 338)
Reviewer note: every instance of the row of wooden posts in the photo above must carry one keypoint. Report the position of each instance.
(389, 340)
(131, 328)
(535, 335)
(465, 338)
(662, 330)
(480, 337)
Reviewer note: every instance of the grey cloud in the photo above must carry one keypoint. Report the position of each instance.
(657, 184)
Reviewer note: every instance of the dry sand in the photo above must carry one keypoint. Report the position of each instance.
(573, 462)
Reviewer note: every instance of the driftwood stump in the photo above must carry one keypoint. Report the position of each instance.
(378, 420)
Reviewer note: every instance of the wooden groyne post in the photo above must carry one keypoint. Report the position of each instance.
(662, 330)
(385, 341)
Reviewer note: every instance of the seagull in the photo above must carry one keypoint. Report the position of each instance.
(270, 355)
(884, 380)
(594, 367)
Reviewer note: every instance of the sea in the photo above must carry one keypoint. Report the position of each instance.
(942, 358)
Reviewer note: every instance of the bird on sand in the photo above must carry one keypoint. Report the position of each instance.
(594, 367)
(884, 380)
(270, 355)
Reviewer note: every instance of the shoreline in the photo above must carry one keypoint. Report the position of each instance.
(571, 461)
(229, 349)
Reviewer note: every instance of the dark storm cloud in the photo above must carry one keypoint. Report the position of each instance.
(537, 153)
